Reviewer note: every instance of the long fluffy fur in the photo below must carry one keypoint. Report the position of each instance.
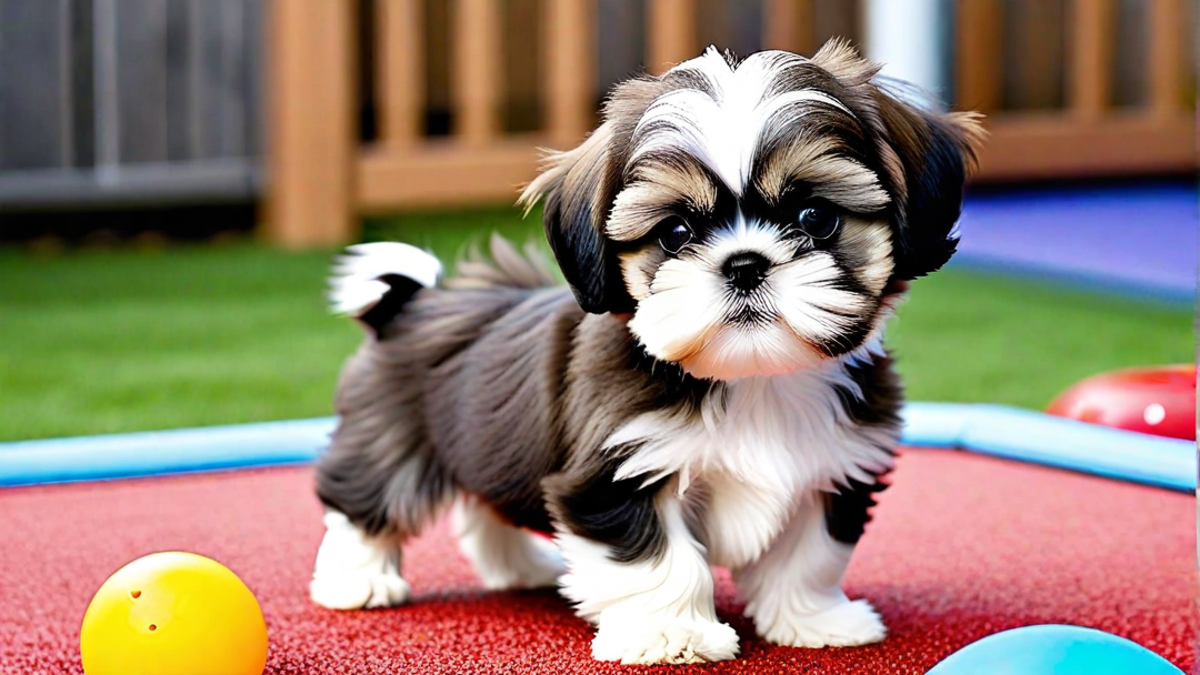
(736, 418)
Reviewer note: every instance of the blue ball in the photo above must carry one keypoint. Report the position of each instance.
(1054, 650)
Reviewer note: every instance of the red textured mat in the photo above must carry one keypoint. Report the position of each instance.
(962, 546)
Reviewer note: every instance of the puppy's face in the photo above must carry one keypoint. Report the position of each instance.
(756, 217)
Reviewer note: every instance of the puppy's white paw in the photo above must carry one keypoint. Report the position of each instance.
(354, 571)
(504, 556)
(847, 624)
(357, 589)
(664, 641)
(539, 566)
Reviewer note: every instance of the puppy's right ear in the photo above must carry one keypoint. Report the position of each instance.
(579, 187)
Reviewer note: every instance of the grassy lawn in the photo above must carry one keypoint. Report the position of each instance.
(124, 340)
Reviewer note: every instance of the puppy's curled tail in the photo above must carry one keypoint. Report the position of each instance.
(503, 267)
(373, 282)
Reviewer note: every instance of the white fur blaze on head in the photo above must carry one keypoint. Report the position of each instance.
(721, 128)
(356, 285)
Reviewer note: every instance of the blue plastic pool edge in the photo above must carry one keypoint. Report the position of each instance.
(1038, 438)
(1001, 431)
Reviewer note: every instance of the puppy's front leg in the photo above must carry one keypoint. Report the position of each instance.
(794, 591)
(637, 572)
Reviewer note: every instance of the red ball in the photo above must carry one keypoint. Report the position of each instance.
(1159, 401)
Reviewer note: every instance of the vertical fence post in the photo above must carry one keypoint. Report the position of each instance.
(788, 25)
(569, 57)
(670, 32)
(66, 126)
(906, 37)
(311, 123)
(1166, 55)
(400, 44)
(1089, 68)
(107, 100)
(476, 69)
(978, 64)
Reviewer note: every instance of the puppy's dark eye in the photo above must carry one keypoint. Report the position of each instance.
(673, 235)
(819, 221)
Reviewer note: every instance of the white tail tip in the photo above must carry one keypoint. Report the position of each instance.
(355, 286)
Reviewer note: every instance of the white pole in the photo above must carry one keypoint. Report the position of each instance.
(910, 38)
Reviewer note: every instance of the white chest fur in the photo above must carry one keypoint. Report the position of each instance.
(742, 465)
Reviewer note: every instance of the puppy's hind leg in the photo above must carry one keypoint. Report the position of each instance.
(378, 481)
(504, 557)
(354, 570)
(377, 493)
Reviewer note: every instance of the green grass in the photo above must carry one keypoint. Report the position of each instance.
(124, 340)
(972, 337)
(451, 234)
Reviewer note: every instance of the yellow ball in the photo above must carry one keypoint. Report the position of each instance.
(173, 614)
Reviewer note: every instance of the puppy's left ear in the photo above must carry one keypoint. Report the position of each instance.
(579, 187)
(936, 153)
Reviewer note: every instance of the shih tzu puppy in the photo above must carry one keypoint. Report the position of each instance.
(711, 390)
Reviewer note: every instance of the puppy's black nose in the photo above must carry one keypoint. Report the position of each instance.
(746, 271)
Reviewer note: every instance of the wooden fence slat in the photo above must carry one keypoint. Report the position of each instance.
(311, 108)
(524, 66)
(1088, 64)
(35, 66)
(729, 25)
(1038, 146)
(1166, 55)
(671, 33)
(475, 69)
(788, 25)
(197, 130)
(233, 75)
(66, 89)
(141, 53)
(400, 44)
(1034, 50)
(979, 69)
(208, 73)
(107, 98)
(440, 173)
(83, 118)
(621, 39)
(179, 56)
(839, 18)
(253, 76)
(569, 58)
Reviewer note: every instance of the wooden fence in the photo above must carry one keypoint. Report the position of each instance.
(383, 105)
(324, 179)
(107, 102)
(1088, 135)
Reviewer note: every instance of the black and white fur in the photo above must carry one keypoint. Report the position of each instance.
(710, 390)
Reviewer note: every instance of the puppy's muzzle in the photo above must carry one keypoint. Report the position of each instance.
(746, 271)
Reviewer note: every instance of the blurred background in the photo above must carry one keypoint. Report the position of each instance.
(175, 175)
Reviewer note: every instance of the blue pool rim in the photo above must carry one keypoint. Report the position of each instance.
(995, 430)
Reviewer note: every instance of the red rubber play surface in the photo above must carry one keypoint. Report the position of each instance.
(962, 546)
